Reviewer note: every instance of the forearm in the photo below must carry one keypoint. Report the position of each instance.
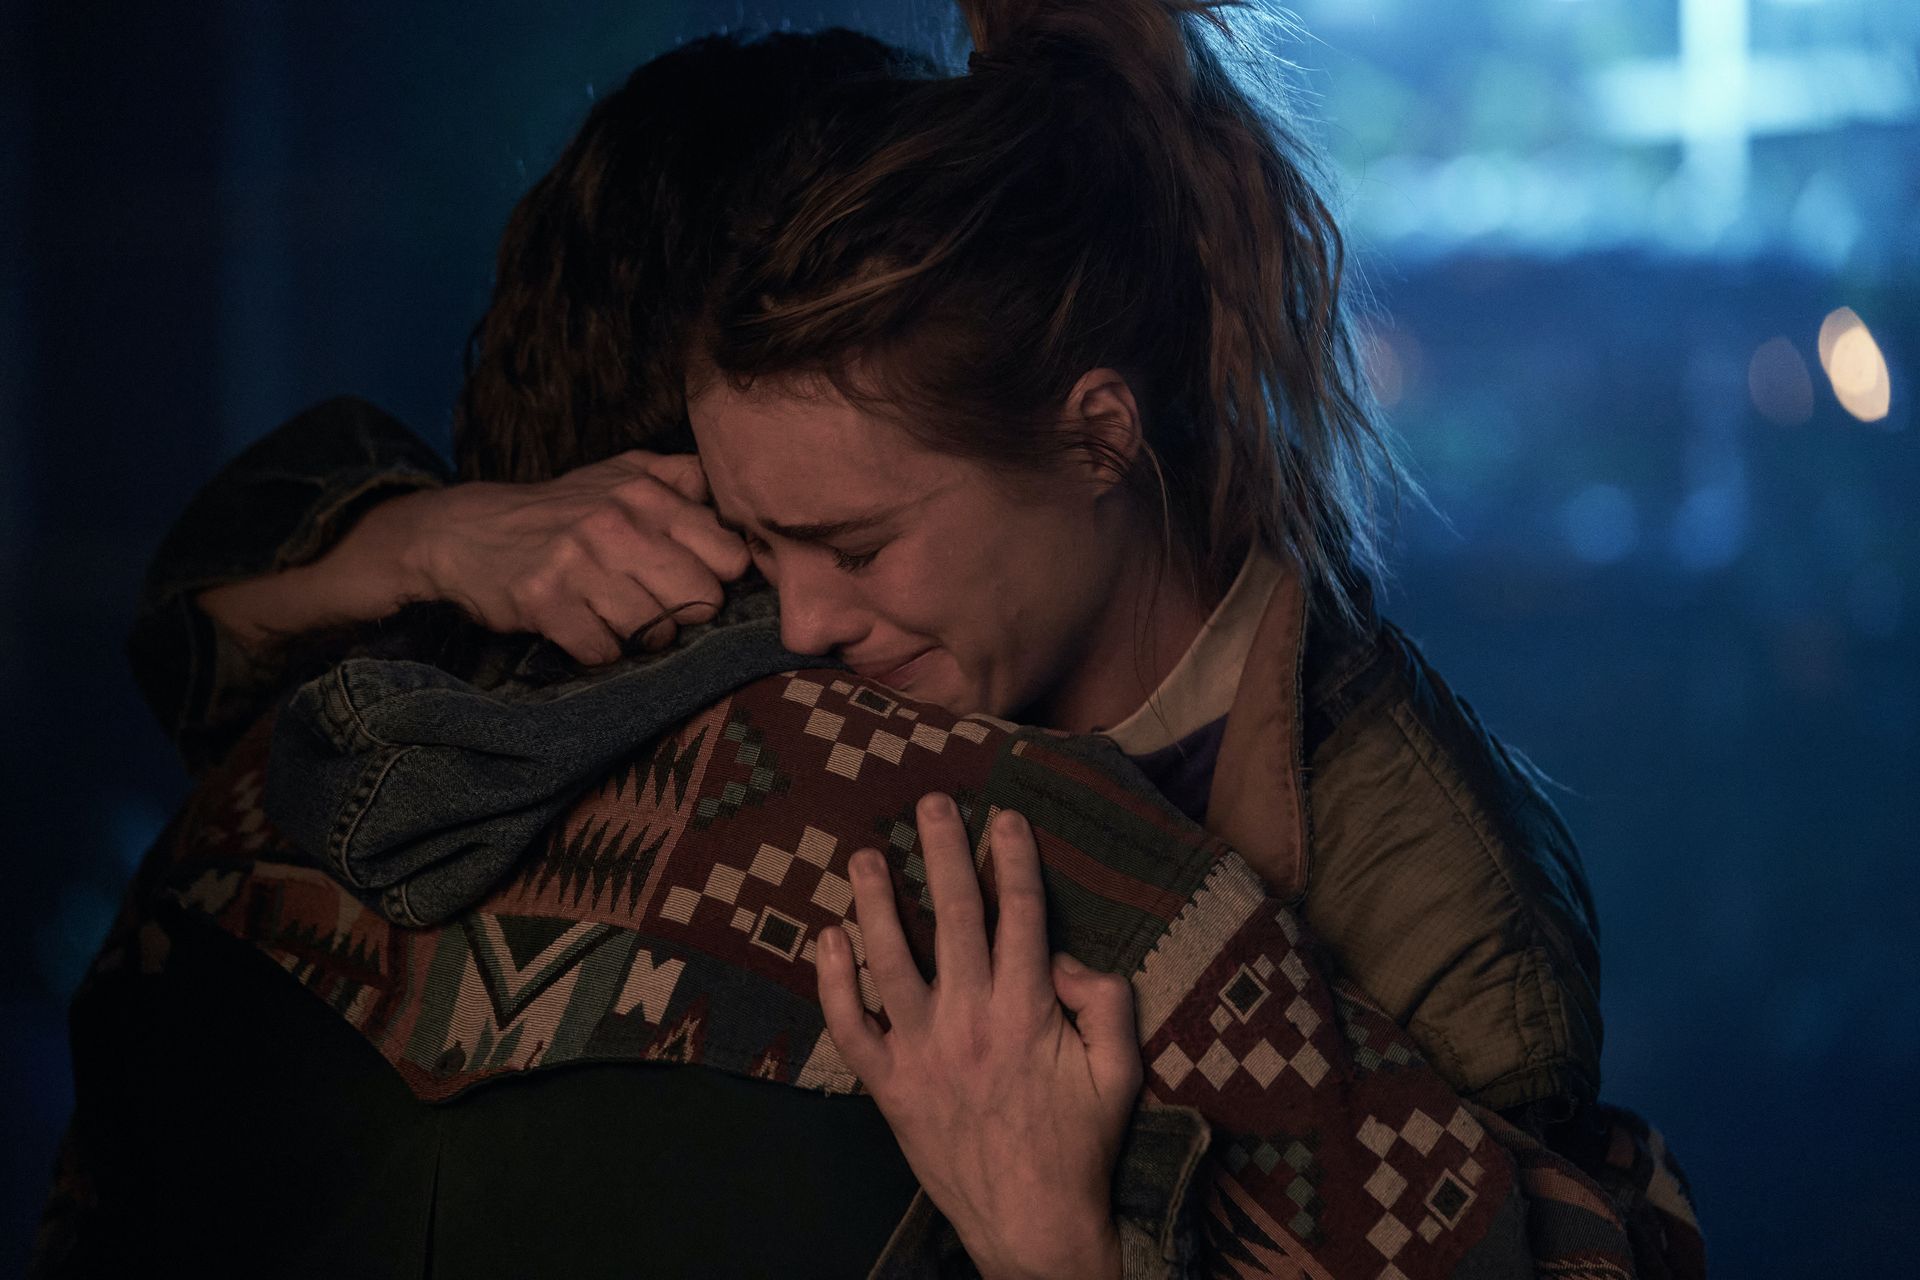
(285, 501)
(369, 574)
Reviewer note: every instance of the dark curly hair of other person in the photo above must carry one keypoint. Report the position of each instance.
(606, 261)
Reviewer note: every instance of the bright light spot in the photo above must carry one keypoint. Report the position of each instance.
(1855, 366)
(1711, 527)
(1601, 524)
(1779, 383)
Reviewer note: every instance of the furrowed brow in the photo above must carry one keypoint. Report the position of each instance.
(821, 532)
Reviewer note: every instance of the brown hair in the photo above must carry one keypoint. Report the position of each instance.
(1099, 191)
(605, 263)
(603, 269)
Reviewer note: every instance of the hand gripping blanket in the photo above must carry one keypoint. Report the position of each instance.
(671, 916)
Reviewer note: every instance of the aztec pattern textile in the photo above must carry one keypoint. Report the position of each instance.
(672, 917)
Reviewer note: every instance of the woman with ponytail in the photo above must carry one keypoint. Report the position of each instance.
(1042, 402)
(1032, 393)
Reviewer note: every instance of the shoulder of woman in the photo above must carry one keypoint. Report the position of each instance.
(1443, 875)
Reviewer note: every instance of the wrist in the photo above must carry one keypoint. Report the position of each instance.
(392, 549)
(1091, 1253)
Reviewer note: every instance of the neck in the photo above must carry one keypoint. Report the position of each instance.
(1147, 624)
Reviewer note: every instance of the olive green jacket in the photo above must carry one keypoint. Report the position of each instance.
(1423, 851)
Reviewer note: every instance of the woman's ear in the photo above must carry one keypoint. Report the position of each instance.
(1101, 409)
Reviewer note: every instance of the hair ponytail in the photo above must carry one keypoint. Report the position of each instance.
(1098, 192)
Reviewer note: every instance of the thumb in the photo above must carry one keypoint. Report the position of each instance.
(1102, 1008)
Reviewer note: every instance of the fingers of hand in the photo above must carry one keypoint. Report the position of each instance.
(723, 551)
(1020, 937)
(959, 931)
(632, 613)
(677, 579)
(1103, 1010)
(680, 472)
(692, 521)
(629, 573)
(858, 1037)
(582, 605)
(579, 630)
(530, 555)
(903, 993)
(659, 513)
(585, 609)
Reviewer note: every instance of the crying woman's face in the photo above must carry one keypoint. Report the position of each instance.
(925, 571)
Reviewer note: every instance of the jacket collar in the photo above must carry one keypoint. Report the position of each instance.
(1200, 688)
(1257, 802)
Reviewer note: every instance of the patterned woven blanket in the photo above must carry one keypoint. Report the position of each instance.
(672, 916)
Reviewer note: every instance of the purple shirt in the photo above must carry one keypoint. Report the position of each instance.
(1183, 770)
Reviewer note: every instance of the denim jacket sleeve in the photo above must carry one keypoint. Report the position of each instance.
(419, 790)
(283, 502)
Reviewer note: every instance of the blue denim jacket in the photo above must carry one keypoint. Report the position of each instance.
(419, 791)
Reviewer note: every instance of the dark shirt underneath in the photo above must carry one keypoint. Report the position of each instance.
(236, 1126)
(1183, 770)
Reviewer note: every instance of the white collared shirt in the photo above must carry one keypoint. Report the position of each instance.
(1200, 688)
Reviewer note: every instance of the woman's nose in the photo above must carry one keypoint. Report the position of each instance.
(818, 610)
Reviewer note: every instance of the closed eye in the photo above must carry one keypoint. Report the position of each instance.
(845, 560)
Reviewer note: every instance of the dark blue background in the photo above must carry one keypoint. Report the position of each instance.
(1700, 621)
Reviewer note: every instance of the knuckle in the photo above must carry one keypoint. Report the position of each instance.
(648, 492)
(603, 525)
(563, 553)
(536, 592)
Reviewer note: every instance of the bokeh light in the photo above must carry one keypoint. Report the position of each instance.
(1601, 524)
(1710, 529)
(1855, 366)
(1781, 386)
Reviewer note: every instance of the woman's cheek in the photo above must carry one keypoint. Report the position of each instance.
(910, 590)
